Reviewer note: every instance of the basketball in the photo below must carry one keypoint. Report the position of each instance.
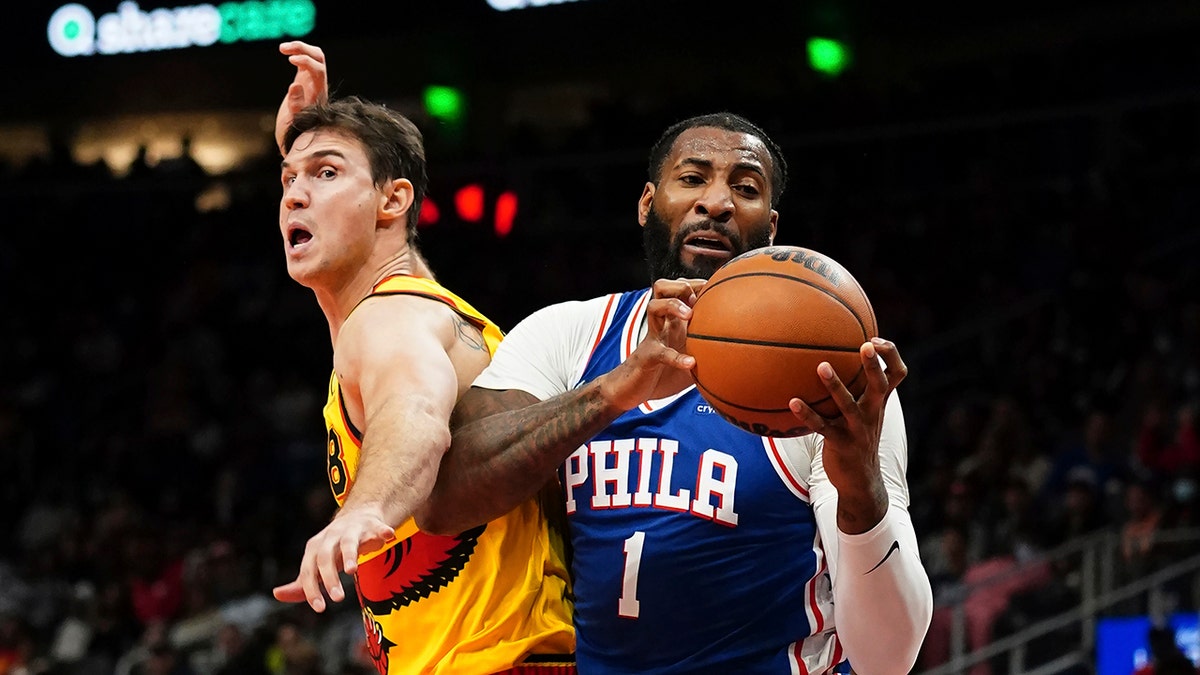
(763, 323)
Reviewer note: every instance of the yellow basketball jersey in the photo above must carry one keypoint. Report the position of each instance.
(471, 604)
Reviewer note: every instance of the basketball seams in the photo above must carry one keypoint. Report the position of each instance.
(813, 404)
(853, 312)
(771, 343)
(710, 397)
(792, 277)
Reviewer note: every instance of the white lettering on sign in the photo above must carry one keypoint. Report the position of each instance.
(74, 31)
(505, 5)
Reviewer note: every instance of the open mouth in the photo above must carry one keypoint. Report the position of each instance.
(298, 237)
(707, 242)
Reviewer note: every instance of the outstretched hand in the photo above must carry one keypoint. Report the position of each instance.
(851, 441)
(311, 84)
(658, 367)
(331, 551)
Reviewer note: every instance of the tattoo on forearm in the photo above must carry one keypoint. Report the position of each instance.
(857, 513)
(468, 334)
(559, 434)
(499, 460)
(534, 431)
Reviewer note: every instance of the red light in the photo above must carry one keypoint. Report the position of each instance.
(506, 212)
(429, 213)
(469, 201)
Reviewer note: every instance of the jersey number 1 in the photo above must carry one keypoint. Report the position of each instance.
(628, 605)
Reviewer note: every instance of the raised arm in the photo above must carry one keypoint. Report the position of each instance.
(851, 440)
(392, 357)
(881, 592)
(311, 84)
(507, 444)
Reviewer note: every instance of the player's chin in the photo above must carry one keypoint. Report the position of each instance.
(703, 266)
(302, 273)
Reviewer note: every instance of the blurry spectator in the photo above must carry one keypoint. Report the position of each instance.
(1139, 531)
(155, 580)
(163, 659)
(152, 637)
(1095, 449)
(955, 437)
(1028, 465)
(1169, 447)
(231, 653)
(140, 168)
(1166, 658)
(1153, 437)
(947, 565)
(933, 482)
(73, 636)
(1078, 511)
(114, 628)
(50, 594)
(984, 589)
(1005, 433)
(182, 167)
(16, 646)
(1019, 529)
(293, 653)
(1184, 503)
(960, 511)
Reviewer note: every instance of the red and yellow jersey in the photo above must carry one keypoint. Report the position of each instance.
(477, 603)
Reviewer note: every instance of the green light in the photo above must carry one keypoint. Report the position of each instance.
(71, 30)
(827, 56)
(266, 20)
(445, 103)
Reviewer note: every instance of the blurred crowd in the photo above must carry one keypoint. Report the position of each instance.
(160, 409)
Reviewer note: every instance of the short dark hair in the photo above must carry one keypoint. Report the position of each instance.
(729, 122)
(394, 145)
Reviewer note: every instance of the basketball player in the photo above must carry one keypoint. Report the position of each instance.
(491, 598)
(673, 573)
(698, 547)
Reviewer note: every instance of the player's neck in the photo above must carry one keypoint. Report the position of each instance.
(412, 263)
(408, 262)
(337, 302)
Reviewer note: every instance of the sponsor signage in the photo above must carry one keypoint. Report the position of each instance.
(74, 30)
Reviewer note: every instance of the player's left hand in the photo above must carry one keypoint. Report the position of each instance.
(331, 551)
(310, 85)
(851, 441)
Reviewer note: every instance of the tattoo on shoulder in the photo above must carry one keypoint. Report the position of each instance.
(468, 334)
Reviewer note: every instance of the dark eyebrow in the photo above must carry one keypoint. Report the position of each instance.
(316, 155)
(695, 161)
(739, 166)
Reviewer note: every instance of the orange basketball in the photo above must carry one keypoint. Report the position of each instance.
(763, 323)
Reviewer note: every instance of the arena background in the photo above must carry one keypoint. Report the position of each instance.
(1014, 184)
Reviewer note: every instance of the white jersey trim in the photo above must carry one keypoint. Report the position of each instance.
(605, 323)
(546, 352)
(631, 335)
(795, 484)
(815, 654)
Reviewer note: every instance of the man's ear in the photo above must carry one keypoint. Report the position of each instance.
(774, 224)
(397, 199)
(645, 203)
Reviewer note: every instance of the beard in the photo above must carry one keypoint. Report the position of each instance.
(664, 253)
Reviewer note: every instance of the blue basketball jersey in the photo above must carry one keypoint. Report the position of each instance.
(695, 548)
